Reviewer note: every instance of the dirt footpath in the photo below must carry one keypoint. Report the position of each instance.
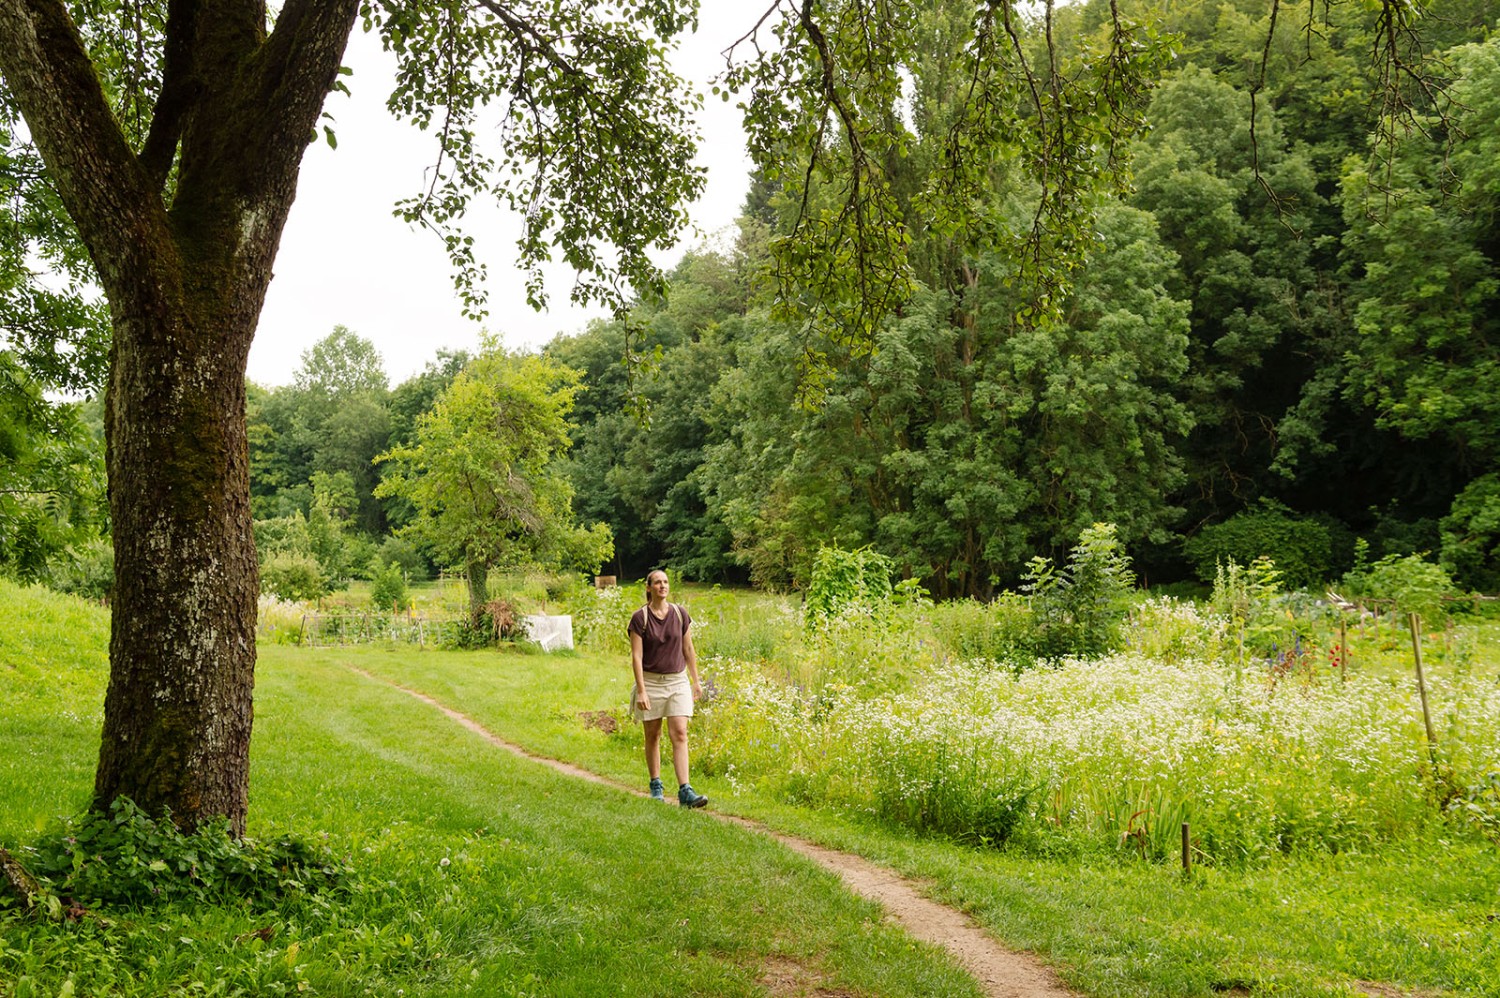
(1004, 973)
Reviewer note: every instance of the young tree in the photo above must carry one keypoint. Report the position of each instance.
(172, 133)
(483, 476)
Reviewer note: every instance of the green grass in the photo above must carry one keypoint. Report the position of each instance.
(54, 665)
(477, 872)
(558, 887)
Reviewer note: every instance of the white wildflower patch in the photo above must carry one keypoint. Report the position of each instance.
(1116, 751)
(279, 621)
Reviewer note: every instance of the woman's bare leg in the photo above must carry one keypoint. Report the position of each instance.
(653, 748)
(677, 731)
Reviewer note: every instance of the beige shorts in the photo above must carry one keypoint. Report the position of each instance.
(671, 696)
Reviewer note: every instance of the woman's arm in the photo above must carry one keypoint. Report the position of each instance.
(690, 655)
(642, 701)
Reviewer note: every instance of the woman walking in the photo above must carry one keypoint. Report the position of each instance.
(666, 683)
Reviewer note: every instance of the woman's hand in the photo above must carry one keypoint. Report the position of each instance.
(697, 690)
(642, 701)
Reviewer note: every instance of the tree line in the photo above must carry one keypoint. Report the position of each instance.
(1280, 342)
(1284, 339)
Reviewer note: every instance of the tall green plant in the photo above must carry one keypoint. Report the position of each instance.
(1412, 584)
(1080, 609)
(388, 587)
(845, 582)
(1243, 595)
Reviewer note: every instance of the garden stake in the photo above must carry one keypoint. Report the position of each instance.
(1416, 650)
(1343, 650)
(1187, 849)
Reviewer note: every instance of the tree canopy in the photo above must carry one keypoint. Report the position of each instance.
(482, 474)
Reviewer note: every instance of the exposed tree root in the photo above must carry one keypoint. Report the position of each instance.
(18, 883)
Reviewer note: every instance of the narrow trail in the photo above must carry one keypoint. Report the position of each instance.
(1002, 972)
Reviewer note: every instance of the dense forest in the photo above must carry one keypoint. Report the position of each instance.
(1282, 337)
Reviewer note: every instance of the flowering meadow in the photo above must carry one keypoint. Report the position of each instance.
(1111, 754)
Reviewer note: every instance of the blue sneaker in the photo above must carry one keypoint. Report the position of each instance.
(688, 797)
(658, 792)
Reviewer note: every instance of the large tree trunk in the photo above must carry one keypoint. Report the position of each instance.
(177, 715)
(185, 269)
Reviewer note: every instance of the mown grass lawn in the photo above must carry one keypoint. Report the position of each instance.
(477, 872)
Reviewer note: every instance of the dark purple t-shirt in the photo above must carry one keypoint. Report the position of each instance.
(661, 640)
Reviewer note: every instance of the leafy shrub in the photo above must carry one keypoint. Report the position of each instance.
(87, 571)
(292, 576)
(388, 588)
(1411, 582)
(845, 582)
(127, 857)
(1471, 535)
(1080, 608)
(499, 620)
(1302, 548)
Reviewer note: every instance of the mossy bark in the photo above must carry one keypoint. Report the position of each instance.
(185, 268)
(478, 573)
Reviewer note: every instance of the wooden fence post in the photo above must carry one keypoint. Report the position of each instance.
(1343, 650)
(1416, 649)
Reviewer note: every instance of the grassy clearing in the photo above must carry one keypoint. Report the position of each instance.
(478, 872)
(1415, 905)
(544, 899)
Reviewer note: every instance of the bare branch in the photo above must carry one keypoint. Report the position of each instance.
(178, 91)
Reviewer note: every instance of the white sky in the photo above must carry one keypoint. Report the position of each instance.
(346, 260)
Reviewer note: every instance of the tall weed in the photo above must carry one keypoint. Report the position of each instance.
(1079, 609)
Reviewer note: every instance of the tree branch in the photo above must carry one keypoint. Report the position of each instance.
(96, 174)
(529, 37)
(296, 69)
(178, 91)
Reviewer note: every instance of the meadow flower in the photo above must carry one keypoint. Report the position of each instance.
(1256, 768)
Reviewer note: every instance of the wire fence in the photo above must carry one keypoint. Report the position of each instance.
(401, 627)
